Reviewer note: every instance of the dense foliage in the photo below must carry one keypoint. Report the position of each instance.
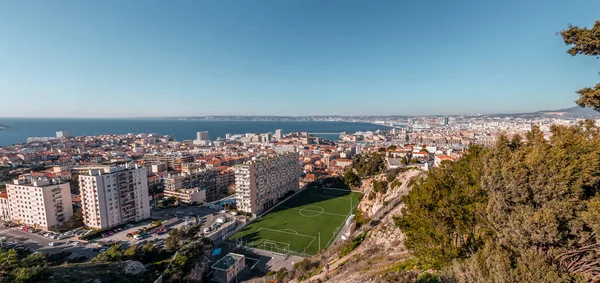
(584, 41)
(442, 218)
(367, 165)
(350, 178)
(19, 267)
(515, 212)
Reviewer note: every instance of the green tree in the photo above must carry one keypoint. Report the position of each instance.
(584, 41)
(350, 178)
(380, 186)
(173, 240)
(442, 218)
(113, 254)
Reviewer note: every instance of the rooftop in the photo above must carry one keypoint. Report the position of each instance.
(227, 261)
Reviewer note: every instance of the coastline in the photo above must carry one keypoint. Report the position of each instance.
(21, 129)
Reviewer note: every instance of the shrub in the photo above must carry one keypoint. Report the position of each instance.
(353, 244)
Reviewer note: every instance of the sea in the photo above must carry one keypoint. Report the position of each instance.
(17, 130)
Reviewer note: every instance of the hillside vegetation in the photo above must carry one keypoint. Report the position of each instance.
(522, 211)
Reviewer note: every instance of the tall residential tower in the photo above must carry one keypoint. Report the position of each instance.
(111, 196)
(263, 182)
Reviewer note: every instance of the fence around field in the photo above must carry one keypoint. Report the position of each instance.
(257, 249)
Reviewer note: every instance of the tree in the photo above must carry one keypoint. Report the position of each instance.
(367, 165)
(380, 186)
(584, 41)
(155, 189)
(173, 240)
(15, 267)
(442, 218)
(350, 178)
(113, 254)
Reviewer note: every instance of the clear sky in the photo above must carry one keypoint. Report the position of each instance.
(247, 57)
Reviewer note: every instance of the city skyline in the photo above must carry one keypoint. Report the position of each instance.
(120, 59)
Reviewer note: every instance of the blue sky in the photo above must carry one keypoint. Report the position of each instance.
(182, 58)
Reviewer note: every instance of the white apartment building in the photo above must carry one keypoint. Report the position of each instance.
(4, 208)
(262, 182)
(39, 201)
(195, 195)
(202, 136)
(111, 196)
(279, 134)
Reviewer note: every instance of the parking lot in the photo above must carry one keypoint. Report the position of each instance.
(208, 217)
(15, 237)
(174, 218)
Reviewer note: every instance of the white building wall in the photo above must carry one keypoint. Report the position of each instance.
(261, 183)
(4, 209)
(39, 206)
(113, 196)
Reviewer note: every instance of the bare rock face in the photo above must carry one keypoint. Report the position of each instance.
(373, 202)
(134, 267)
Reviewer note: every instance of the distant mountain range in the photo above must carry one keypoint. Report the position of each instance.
(573, 112)
(567, 112)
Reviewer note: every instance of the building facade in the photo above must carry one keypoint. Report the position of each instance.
(225, 179)
(188, 196)
(114, 195)
(4, 207)
(263, 182)
(278, 134)
(173, 161)
(40, 202)
(205, 179)
(202, 136)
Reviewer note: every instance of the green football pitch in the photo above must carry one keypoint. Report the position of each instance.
(309, 220)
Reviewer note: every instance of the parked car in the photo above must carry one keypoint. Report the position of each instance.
(139, 236)
(128, 226)
(52, 244)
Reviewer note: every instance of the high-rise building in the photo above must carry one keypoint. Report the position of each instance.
(202, 136)
(278, 134)
(264, 181)
(63, 134)
(111, 196)
(267, 137)
(446, 121)
(39, 201)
